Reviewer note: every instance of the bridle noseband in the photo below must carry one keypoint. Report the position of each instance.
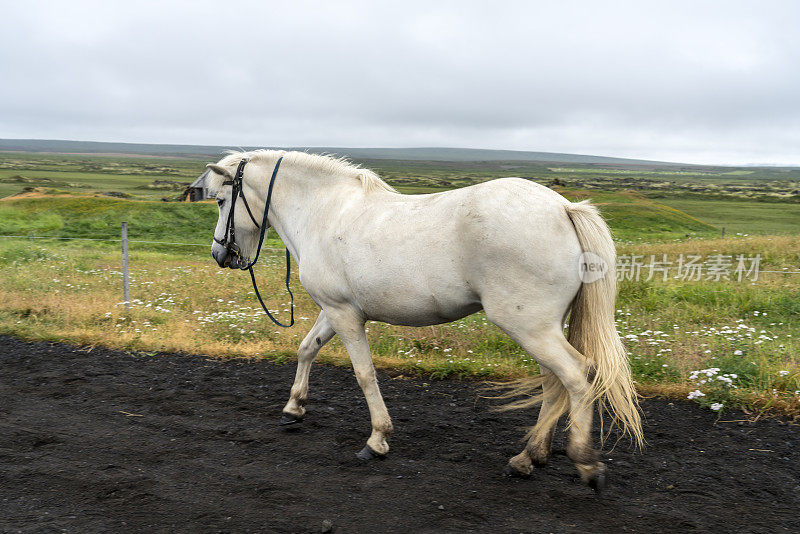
(229, 239)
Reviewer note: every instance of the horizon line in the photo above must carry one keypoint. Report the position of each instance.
(634, 160)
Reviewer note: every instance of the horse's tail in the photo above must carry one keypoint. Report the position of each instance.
(593, 331)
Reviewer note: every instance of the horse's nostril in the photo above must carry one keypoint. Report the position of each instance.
(219, 256)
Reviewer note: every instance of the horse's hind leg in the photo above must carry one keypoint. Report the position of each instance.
(579, 445)
(549, 347)
(540, 445)
(320, 334)
(538, 449)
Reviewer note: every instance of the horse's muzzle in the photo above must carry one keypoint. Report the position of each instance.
(220, 255)
(228, 258)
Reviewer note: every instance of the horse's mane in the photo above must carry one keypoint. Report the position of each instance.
(326, 164)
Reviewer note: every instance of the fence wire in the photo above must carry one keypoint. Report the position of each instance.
(119, 240)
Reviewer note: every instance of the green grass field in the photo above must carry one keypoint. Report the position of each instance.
(631, 216)
(134, 175)
(742, 216)
(747, 332)
(86, 174)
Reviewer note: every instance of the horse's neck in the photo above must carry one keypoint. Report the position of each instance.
(303, 204)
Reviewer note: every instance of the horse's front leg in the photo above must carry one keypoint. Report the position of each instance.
(349, 325)
(319, 334)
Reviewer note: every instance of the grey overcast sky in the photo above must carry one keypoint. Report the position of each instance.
(696, 81)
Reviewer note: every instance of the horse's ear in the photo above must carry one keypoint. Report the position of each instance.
(220, 170)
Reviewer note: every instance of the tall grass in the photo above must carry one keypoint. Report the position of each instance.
(183, 302)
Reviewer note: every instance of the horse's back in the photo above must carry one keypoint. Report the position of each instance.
(510, 221)
(520, 239)
(518, 213)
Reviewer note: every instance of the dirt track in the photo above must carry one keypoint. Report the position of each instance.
(107, 441)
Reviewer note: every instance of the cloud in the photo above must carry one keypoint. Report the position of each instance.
(683, 81)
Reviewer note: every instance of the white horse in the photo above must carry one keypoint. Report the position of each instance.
(509, 246)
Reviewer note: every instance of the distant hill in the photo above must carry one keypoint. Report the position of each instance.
(212, 152)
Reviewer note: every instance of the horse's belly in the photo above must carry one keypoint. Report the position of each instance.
(425, 317)
(411, 308)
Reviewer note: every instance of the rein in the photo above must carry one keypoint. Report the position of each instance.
(229, 241)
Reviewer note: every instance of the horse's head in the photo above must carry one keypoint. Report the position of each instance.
(236, 234)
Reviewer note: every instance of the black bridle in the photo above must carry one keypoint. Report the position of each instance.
(229, 239)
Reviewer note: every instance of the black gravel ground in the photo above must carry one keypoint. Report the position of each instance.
(106, 441)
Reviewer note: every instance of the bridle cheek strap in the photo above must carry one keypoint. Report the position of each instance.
(229, 240)
(258, 252)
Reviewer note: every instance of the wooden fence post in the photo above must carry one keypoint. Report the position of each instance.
(125, 280)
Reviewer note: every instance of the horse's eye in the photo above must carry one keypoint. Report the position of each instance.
(220, 202)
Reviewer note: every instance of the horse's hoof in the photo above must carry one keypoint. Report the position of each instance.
(539, 462)
(511, 472)
(288, 419)
(368, 454)
(599, 481)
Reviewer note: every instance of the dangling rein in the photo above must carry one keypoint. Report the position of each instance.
(229, 240)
